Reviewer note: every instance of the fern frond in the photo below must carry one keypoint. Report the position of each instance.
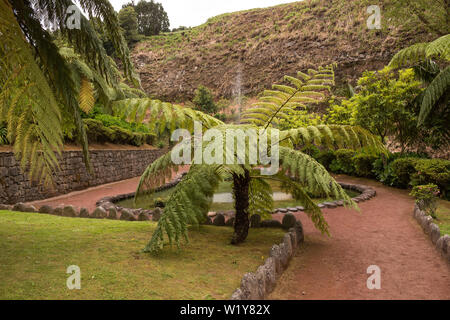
(188, 204)
(438, 87)
(86, 98)
(278, 103)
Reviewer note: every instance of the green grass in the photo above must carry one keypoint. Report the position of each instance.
(147, 202)
(443, 216)
(37, 249)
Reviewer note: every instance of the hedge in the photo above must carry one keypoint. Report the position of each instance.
(98, 133)
(397, 170)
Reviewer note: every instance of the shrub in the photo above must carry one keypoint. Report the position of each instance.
(435, 171)
(402, 170)
(121, 136)
(426, 198)
(204, 100)
(3, 134)
(326, 158)
(343, 162)
(363, 164)
(97, 132)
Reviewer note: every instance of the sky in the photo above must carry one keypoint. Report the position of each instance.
(191, 13)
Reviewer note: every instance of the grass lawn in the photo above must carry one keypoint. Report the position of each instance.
(36, 249)
(147, 202)
(443, 217)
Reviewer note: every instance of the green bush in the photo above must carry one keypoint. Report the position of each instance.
(435, 171)
(363, 164)
(121, 135)
(97, 132)
(326, 158)
(343, 162)
(204, 100)
(426, 198)
(402, 170)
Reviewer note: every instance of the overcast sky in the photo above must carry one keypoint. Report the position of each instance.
(190, 13)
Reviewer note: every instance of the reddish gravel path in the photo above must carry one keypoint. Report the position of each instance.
(88, 198)
(383, 234)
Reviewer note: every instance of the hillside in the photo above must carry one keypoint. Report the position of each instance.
(255, 48)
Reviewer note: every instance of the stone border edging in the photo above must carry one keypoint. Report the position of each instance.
(442, 243)
(367, 193)
(258, 285)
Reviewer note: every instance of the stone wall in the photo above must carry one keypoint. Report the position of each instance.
(108, 166)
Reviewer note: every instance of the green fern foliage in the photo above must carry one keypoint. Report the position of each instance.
(27, 103)
(419, 52)
(279, 102)
(438, 87)
(161, 116)
(188, 205)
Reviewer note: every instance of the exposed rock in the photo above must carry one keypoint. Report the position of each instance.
(270, 274)
(288, 244)
(299, 230)
(58, 211)
(20, 207)
(293, 236)
(255, 221)
(275, 253)
(156, 215)
(46, 209)
(261, 282)
(99, 213)
(249, 287)
(112, 214)
(127, 215)
(330, 205)
(144, 216)
(84, 213)
(271, 224)
(435, 232)
(288, 221)
(441, 244)
(237, 295)
(219, 220)
(5, 207)
(69, 211)
(284, 255)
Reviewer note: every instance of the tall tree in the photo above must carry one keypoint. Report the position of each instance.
(152, 18)
(129, 23)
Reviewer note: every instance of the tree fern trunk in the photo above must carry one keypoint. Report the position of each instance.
(241, 223)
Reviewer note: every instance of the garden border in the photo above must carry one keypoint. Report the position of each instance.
(442, 243)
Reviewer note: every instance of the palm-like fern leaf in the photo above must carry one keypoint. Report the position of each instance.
(161, 116)
(188, 204)
(27, 102)
(419, 52)
(438, 87)
(279, 102)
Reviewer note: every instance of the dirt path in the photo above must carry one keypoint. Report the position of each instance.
(383, 234)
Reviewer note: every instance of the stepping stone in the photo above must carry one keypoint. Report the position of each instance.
(281, 210)
(321, 206)
(330, 204)
(300, 208)
(340, 203)
(293, 209)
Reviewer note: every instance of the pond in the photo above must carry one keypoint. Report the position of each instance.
(223, 199)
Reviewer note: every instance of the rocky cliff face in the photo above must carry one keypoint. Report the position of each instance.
(250, 50)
